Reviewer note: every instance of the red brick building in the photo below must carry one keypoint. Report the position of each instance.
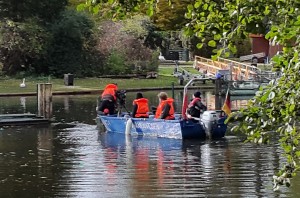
(260, 44)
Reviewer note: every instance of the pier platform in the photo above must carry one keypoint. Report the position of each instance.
(22, 119)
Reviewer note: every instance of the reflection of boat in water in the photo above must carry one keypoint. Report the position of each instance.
(210, 124)
(120, 141)
(153, 163)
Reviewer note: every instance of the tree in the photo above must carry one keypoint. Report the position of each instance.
(24, 36)
(21, 45)
(277, 107)
(21, 10)
(171, 18)
(122, 45)
(71, 41)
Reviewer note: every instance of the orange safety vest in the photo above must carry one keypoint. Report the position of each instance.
(110, 89)
(142, 104)
(161, 107)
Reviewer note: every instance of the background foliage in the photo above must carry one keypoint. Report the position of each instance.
(51, 38)
(21, 45)
(22, 10)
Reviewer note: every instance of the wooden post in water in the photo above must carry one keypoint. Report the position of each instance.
(44, 97)
(173, 94)
(218, 87)
(218, 90)
(218, 102)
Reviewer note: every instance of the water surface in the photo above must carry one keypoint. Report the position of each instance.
(73, 158)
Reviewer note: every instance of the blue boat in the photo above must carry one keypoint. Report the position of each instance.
(209, 125)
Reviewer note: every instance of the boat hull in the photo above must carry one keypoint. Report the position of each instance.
(178, 129)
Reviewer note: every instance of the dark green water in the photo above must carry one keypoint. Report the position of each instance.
(71, 158)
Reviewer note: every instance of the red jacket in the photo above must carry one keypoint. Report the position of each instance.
(194, 101)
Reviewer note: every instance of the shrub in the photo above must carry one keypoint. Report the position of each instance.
(115, 64)
(71, 44)
(125, 48)
(22, 44)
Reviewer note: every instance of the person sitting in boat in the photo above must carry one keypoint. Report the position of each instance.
(140, 107)
(196, 107)
(165, 109)
(108, 99)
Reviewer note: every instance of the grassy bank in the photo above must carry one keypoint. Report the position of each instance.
(165, 79)
(12, 85)
(168, 71)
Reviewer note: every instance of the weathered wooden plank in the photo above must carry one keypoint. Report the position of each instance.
(23, 121)
(44, 92)
(3, 116)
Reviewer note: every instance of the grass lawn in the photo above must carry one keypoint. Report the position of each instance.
(168, 71)
(13, 85)
(165, 79)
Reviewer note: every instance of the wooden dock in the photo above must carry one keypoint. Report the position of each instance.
(22, 119)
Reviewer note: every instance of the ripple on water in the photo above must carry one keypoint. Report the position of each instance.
(81, 162)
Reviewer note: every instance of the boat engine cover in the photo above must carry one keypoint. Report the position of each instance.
(209, 119)
(209, 116)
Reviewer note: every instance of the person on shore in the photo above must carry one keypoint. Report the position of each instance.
(108, 99)
(165, 109)
(140, 107)
(196, 107)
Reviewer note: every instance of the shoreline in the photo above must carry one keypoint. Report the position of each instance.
(93, 92)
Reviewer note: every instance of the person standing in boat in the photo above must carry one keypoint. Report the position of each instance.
(140, 107)
(196, 107)
(165, 109)
(108, 99)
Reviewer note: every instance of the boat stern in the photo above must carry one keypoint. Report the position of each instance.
(191, 129)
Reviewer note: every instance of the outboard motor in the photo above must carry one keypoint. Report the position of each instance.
(209, 119)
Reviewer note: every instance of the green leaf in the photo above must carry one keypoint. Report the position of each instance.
(267, 10)
(296, 142)
(214, 57)
(292, 107)
(227, 54)
(150, 11)
(199, 45)
(217, 37)
(80, 7)
(190, 7)
(96, 9)
(212, 43)
(197, 4)
(188, 32)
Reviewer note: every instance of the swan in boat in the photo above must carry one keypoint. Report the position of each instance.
(161, 57)
(22, 85)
